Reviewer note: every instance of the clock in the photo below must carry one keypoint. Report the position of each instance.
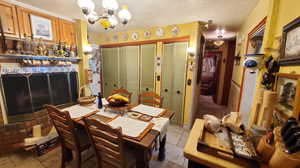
(160, 32)
(135, 36)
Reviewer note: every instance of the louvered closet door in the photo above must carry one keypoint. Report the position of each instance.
(173, 78)
(110, 70)
(129, 70)
(147, 56)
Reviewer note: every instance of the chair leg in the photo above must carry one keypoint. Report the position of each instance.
(78, 155)
(63, 157)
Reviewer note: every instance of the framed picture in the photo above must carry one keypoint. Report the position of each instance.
(290, 51)
(288, 94)
(41, 27)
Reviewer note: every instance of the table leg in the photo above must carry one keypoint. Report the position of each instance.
(162, 149)
(142, 158)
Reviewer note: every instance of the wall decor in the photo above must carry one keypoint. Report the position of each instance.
(147, 34)
(135, 36)
(175, 31)
(160, 32)
(41, 27)
(288, 94)
(125, 37)
(115, 38)
(107, 38)
(290, 52)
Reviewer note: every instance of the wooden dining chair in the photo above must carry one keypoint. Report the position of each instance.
(151, 98)
(123, 92)
(108, 145)
(70, 137)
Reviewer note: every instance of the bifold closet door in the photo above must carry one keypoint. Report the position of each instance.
(129, 70)
(173, 78)
(147, 55)
(110, 70)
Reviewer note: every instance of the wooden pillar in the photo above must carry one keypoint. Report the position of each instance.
(81, 35)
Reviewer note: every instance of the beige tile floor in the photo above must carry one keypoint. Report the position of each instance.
(176, 139)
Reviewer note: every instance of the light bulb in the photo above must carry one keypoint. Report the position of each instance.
(124, 15)
(110, 5)
(113, 21)
(92, 17)
(86, 5)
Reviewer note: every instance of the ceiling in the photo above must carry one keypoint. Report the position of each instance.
(228, 14)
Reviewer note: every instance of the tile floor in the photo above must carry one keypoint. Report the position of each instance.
(176, 139)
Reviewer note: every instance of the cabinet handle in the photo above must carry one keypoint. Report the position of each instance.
(115, 85)
(105, 84)
(147, 89)
(166, 90)
(178, 92)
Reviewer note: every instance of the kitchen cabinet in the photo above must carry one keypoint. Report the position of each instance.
(25, 23)
(9, 19)
(67, 32)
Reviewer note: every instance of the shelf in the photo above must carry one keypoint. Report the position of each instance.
(36, 57)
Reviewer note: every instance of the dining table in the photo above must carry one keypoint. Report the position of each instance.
(142, 147)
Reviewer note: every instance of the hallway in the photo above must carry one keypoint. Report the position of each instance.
(207, 106)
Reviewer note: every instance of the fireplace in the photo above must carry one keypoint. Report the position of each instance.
(24, 95)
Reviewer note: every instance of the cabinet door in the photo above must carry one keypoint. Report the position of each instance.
(173, 78)
(9, 19)
(110, 70)
(147, 56)
(24, 20)
(129, 70)
(67, 32)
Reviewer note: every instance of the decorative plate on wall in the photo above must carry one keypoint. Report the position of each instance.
(175, 31)
(135, 36)
(107, 39)
(160, 32)
(125, 37)
(115, 38)
(147, 34)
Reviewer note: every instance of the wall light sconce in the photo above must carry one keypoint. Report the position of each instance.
(87, 49)
(191, 51)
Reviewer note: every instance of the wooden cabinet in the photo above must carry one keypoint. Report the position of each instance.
(9, 19)
(67, 32)
(25, 23)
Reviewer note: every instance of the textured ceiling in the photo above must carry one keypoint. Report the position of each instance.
(229, 14)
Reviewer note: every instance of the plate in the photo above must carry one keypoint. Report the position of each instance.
(147, 34)
(125, 37)
(135, 36)
(160, 32)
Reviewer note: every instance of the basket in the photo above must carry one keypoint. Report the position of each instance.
(86, 100)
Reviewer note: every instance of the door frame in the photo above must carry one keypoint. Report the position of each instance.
(250, 35)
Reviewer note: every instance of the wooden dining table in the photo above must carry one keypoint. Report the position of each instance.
(142, 148)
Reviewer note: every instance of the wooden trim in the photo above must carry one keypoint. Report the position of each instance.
(165, 41)
(250, 35)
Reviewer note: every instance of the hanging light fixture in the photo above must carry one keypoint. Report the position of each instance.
(220, 33)
(109, 18)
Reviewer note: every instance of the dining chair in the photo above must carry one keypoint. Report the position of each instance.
(108, 145)
(70, 137)
(123, 92)
(151, 98)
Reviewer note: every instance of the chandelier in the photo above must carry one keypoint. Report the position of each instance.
(110, 18)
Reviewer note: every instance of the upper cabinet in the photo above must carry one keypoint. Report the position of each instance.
(25, 17)
(67, 32)
(9, 19)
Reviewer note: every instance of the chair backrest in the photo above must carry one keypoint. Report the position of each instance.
(64, 127)
(123, 92)
(151, 98)
(107, 143)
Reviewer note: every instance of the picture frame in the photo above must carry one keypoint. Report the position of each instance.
(290, 49)
(41, 28)
(287, 88)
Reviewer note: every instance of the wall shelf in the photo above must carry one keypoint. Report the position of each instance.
(36, 57)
